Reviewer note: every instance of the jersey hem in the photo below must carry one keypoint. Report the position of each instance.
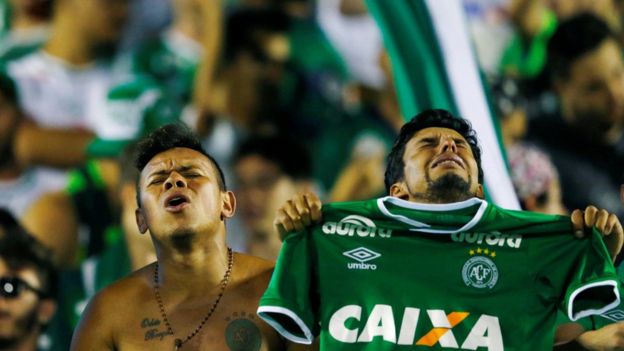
(265, 313)
(590, 312)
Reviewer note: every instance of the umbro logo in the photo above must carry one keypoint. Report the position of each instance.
(614, 315)
(362, 255)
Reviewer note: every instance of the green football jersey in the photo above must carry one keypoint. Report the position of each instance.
(387, 274)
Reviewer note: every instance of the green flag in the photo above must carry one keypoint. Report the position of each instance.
(434, 66)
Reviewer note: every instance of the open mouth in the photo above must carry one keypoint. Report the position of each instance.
(176, 202)
(448, 161)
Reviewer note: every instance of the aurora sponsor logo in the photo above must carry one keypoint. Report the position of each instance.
(355, 225)
(492, 239)
(362, 255)
(349, 325)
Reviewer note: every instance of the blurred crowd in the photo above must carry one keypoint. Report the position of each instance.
(287, 95)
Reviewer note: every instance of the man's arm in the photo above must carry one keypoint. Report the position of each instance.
(61, 148)
(608, 338)
(94, 332)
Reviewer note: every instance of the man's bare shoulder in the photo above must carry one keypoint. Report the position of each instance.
(254, 267)
(111, 311)
(134, 287)
(252, 272)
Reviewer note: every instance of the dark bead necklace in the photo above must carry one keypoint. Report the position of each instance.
(224, 282)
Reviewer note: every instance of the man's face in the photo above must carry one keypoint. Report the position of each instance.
(439, 167)
(180, 196)
(103, 20)
(19, 315)
(260, 183)
(593, 94)
(261, 187)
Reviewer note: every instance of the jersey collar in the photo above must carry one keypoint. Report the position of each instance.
(424, 227)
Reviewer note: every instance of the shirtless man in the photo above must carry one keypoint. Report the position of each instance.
(198, 295)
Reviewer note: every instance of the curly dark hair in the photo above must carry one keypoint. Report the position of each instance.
(168, 137)
(428, 119)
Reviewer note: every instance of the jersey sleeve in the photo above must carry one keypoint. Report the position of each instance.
(287, 304)
(593, 286)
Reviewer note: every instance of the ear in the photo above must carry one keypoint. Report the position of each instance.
(140, 220)
(480, 194)
(229, 204)
(399, 190)
(46, 310)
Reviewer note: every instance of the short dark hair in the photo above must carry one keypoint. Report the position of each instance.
(428, 119)
(287, 153)
(574, 38)
(168, 137)
(20, 250)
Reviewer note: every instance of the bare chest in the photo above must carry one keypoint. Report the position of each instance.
(234, 326)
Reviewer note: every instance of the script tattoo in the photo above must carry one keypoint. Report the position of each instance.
(242, 334)
(153, 332)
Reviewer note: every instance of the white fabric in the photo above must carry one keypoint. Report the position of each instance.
(462, 70)
(56, 94)
(19, 194)
(357, 39)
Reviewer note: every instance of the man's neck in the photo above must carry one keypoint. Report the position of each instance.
(196, 271)
(69, 44)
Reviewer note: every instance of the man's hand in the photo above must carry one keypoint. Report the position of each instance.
(297, 213)
(608, 338)
(607, 224)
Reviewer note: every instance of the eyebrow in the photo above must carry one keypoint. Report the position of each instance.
(430, 139)
(178, 169)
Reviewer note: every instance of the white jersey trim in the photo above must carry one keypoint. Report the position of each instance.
(585, 313)
(265, 313)
(424, 227)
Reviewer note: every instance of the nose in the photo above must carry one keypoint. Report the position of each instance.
(448, 145)
(175, 180)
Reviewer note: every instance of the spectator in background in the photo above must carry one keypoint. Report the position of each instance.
(172, 59)
(63, 87)
(535, 180)
(115, 247)
(533, 174)
(585, 140)
(19, 186)
(27, 292)
(267, 171)
(26, 26)
(536, 21)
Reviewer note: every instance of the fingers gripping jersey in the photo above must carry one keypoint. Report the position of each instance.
(387, 274)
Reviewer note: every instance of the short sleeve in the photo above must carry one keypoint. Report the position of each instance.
(288, 303)
(593, 283)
